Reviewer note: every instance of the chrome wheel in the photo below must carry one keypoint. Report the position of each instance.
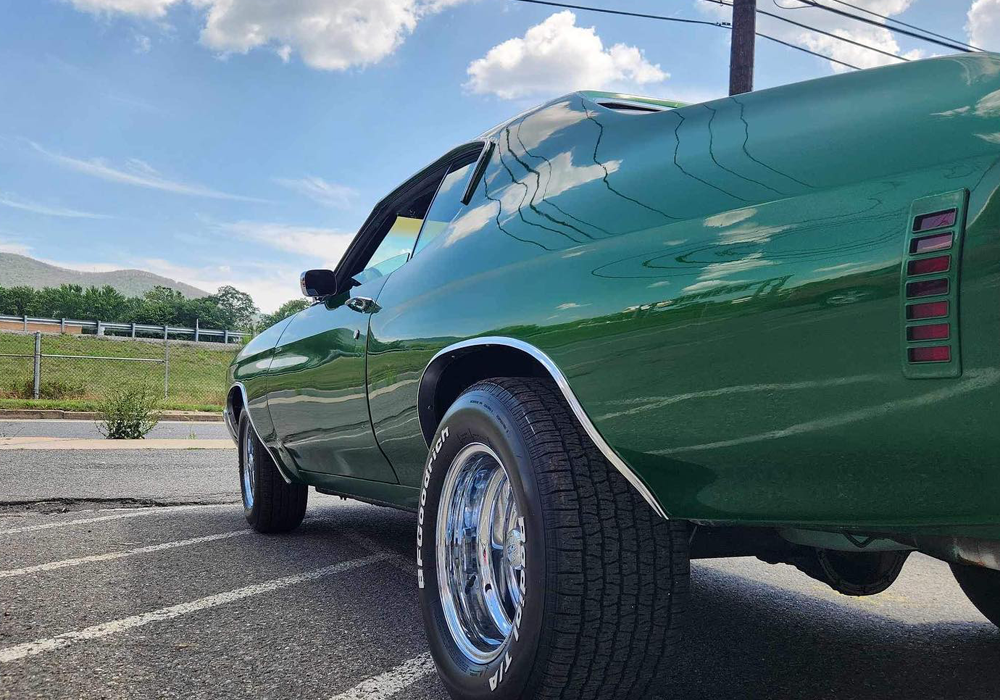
(480, 553)
(249, 462)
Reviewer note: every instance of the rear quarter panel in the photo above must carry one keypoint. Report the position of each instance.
(687, 270)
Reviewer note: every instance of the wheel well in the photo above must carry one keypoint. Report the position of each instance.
(234, 401)
(450, 374)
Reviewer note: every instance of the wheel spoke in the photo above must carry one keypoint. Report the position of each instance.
(476, 516)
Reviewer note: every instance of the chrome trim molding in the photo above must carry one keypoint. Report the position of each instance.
(581, 415)
(234, 430)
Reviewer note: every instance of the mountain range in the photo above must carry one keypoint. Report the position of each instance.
(18, 270)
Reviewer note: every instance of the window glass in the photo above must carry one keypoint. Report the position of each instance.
(446, 204)
(393, 251)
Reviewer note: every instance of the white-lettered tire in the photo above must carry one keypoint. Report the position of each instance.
(270, 504)
(600, 581)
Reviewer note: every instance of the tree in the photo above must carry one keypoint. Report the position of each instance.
(162, 305)
(104, 304)
(237, 307)
(20, 301)
(284, 311)
(228, 309)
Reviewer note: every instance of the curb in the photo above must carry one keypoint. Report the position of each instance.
(59, 414)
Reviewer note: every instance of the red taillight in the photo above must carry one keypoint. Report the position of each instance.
(938, 219)
(930, 244)
(933, 309)
(926, 289)
(935, 353)
(929, 266)
(934, 331)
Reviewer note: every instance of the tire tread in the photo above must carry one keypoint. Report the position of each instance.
(617, 574)
(278, 505)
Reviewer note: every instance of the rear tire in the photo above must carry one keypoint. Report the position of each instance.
(603, 579)
(270, 504)
(982, 587)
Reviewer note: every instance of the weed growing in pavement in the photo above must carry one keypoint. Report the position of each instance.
(128, 412)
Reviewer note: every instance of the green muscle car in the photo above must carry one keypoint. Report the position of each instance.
(613, 334)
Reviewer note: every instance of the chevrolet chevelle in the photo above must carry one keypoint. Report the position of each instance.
(616, 333)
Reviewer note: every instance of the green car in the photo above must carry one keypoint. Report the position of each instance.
(613, 334)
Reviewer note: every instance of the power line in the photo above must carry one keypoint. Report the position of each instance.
(627, 14)
(880, 25)
(830, 34)
(724, 25)
(811, 28)
(805, 50)
(901, 22)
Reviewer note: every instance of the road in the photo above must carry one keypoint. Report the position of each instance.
(183, 601)
(182, 430)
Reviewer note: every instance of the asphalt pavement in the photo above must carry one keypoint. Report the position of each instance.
(182, 430)
(182, 600)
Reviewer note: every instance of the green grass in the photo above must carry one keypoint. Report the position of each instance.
(197, 378)
(74, 405)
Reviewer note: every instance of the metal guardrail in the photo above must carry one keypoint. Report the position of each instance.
(197, 333)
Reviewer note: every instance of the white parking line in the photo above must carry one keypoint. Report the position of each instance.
(52, 566)
(387, 684)
(41, 646)
(129, 513)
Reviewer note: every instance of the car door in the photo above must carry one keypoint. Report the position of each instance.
(317, 381)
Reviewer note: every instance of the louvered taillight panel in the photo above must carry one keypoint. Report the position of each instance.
(930, 286)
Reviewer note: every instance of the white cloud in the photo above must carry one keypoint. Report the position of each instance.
(86, 267)
(547, 122)
(9, 199)
(327, 34)
(135, 172)
(557, 56)
(329, 194)
(565, 176)
(844, 27)
(7, 246)
(729, 218)
(324, 246)
(142, 43)
(270, 286)
(471, 221)
(983, 24)
(140, 8)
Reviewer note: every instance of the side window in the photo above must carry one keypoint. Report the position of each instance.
(447, 203)
(393, 251)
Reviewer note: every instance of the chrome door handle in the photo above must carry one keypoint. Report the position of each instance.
(362, 305)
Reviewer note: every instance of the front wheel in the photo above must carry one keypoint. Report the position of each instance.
(542, 572)
(982, 587)
(269, 503)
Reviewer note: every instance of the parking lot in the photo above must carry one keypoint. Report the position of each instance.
(132, 574)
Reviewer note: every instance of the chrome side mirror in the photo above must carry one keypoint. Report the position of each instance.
(318, 283)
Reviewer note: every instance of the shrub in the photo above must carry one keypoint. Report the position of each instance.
(128, 412)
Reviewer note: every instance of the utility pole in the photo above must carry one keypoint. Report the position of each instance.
(742, 53)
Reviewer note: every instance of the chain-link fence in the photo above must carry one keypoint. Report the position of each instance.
(74, 368)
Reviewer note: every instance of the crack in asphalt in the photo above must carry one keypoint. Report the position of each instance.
(67, 505)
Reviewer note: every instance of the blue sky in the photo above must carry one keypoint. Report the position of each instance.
(241, 141)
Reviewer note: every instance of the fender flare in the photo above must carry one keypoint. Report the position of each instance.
(438, 364)
(232, 424)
